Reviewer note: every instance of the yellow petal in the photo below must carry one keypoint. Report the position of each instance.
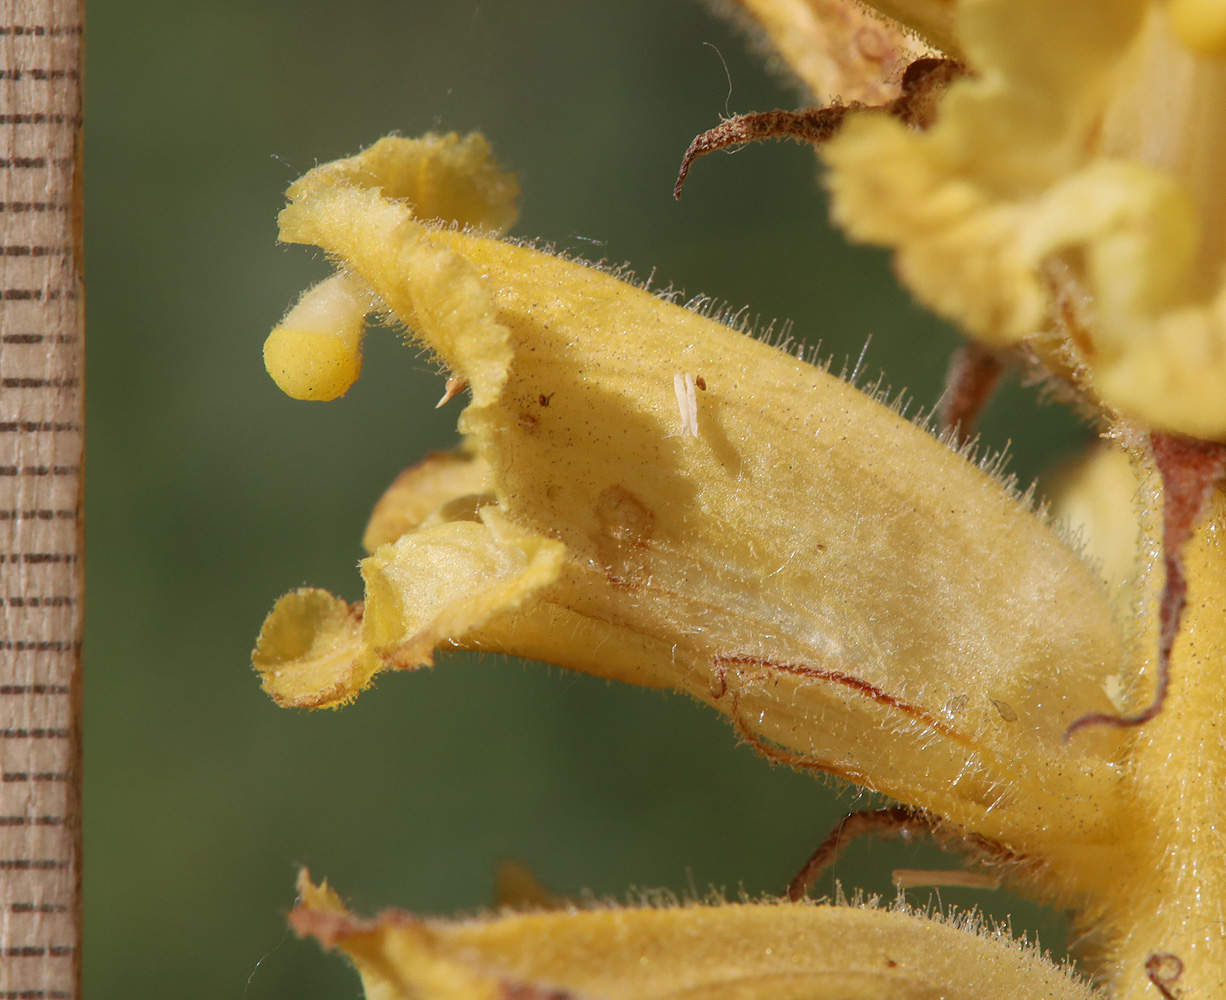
(442, 178)
(1175, 850)
(932, 20)
(310, 653)
(435, 586)
(961, 192)
(420, 280)
(1094, 150)
(316, 351)
(775, 543)
(418, 491)
(720, 952)
(428, 588)
(1200, 25)
(1095, 496)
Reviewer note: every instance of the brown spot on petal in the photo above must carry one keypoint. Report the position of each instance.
(527, 421)
(526, 991)
(1162, 970)
(626, 526)
(872, 44)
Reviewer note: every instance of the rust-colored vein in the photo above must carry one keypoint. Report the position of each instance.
(857, 684)
(1190, 470)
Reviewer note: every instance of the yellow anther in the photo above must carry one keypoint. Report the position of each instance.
(315, 352)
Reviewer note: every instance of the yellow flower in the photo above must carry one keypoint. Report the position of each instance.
(711, 952)
(1069, 196)
(652, 495)
(775, 543)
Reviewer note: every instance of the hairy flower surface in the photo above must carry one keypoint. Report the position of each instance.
(650, 495)
(709, 952)
(805, 559)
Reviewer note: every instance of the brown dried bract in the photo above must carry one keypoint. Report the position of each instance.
(893, 821)
(813, 126)
(1190, 470)
(974, 373)
(922, 85)
(897, 821)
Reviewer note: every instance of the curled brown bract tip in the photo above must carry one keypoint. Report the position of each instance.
(1163, 969)
(897, 820)
(813, 126)
(923, 82)
(1190, 470)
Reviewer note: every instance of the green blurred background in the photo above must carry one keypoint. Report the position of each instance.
(210, 493)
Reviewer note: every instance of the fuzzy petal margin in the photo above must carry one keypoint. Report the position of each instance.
(437, 480)
(311, 653)
(315, 352)
(672, 503)
(707, 952)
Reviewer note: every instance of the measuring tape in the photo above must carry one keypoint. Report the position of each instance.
(41, 452)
